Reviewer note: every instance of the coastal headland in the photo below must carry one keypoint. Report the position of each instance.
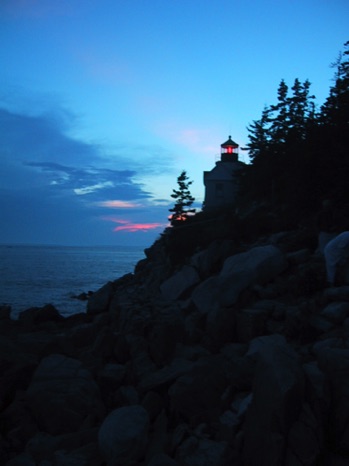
(215, 351)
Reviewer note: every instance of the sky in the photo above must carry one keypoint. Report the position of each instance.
(103, 103)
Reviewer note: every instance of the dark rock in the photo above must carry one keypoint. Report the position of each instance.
(109, 379)
(165, 375)
(166, 332)
(278, 392)
(62, 395)
(304, 443)
(153, 403)
(258, 265)
(250, 323)
(196, 396)
(336, 312)
(318, 396)
(175, 286)
(340, 293)
(99, 301)
(161, 459)
(39, 315)
(334, 362)
(83, 335)
(23, 459)
(123, 435)
(83, 296)
(209, 261)
(228, 426)
(202, 452)
(5, 312)
(42, 446)
(298, 257)
(87, 455)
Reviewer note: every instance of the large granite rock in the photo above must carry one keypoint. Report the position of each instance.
(202, 452)
(258, 265)
(197, 395)
(123, 435)
(100, 300)
(209, 260)
(62, 395)
(334, 362)
(277, 400)
(175, 286)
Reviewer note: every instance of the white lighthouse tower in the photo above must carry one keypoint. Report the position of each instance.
(221, 183)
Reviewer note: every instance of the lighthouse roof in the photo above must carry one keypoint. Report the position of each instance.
(229, 143)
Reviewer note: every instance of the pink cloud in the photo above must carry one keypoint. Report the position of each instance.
(131, 227)
(116, 204)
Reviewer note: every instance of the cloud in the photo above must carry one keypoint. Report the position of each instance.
(117, 204)
(56, 186)
(131, 227)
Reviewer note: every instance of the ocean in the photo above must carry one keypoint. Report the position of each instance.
(38, 275)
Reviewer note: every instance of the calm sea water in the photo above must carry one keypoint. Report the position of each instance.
(38, 275)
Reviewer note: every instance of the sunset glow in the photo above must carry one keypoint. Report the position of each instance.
(132, 227)
(115, 204)
(104, 103)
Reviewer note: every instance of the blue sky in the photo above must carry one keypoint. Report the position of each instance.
(104, 102)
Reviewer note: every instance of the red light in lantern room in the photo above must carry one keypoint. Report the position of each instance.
(229, 150)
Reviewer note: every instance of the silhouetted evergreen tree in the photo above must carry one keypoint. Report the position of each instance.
(300, 156)
(334, 133)
(183, 199)
(259, 136)
(277, 140)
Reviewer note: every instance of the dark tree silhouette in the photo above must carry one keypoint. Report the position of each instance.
(183, 199)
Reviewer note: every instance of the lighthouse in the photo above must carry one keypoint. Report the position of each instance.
(221, 183)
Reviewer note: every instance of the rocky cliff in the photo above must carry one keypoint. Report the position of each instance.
(214, 352)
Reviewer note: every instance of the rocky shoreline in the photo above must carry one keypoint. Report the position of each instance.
(234, 355)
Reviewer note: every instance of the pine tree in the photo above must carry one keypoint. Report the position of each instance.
(280, 123)
(259, 136)
(183, 199)
(335, 111)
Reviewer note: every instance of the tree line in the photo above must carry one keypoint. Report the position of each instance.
(300, 153)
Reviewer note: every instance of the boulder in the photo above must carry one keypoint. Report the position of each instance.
(304, 440)
(202, 452)
(100, 300)
(256, 266)
(336, 312)
(250, 323)
(196, 396)
(42, 446)
(39, 315)
(206, 296)
(87, 455)
(334, 362)
(167, 330)
(165, 375)
(278, 392)
(123, 435)
(161, 459)
(318, 395)
(209, 260)
(62, 395)
(5, 312)
(175, 286)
